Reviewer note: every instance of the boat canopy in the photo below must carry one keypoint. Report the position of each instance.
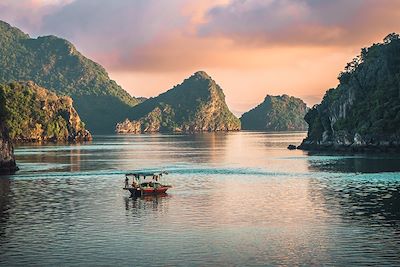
(145, 174)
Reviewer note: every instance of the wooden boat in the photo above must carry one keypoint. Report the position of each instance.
(145, 183)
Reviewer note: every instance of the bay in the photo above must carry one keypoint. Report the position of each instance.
(238, 199)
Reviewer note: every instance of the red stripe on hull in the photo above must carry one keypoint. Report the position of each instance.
(160, 190)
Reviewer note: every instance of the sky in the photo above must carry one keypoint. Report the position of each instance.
(251, 48)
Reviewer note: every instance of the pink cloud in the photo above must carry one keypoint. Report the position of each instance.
(247, 45)
(147, 35)
(302, 22)
(28, 14)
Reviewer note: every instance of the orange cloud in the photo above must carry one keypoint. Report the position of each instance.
(251, 47)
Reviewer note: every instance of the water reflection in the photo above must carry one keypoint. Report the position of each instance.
(6, 201)
(360, 199)
(143, 202)
(366, 231)
(244, 149)
(363, 163)
(237, 199)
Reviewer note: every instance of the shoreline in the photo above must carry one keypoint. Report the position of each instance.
(386, 147)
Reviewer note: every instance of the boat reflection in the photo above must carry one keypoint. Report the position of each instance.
(146, 202)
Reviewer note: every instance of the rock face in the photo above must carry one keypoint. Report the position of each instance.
(363, 112)
(7, 159)
(55, 64)
(32, 113)
(196, 105)
(276, 113)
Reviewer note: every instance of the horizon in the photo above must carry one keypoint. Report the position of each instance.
(288, 47)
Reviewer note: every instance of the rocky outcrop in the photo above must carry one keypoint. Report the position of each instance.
(33, 114)
(363, 112)
(276, 113)
(196, 105)
(128, 126)
(7, 159)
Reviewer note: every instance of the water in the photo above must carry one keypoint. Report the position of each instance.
(239, 199)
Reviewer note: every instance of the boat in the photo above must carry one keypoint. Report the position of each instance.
(145, 183)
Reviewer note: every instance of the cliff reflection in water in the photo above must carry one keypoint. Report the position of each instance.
(365, 187)
(353, 163)
(359, 199)
(6, 201)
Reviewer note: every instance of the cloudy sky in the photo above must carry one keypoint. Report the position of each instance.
(250, 47)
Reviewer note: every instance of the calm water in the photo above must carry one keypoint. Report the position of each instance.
(238, 199)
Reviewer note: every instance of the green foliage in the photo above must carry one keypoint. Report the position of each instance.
(367, 100)
(276, 113)
(57, 128)
(31, 113)
(196, 104)
(55, 64)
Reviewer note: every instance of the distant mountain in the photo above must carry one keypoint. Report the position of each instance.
(363, 112)
(276, 113)
(196, 105)
(55, 64)
(32, 113)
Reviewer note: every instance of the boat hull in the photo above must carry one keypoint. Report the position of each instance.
(147, 191)
(152, 191)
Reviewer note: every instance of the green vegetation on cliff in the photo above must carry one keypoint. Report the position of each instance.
(276, 113)
(32, 113)
(55, 64)
(196, 105)
(365, 107)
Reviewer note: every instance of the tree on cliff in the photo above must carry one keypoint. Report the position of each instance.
(56, 64)
(365, 106)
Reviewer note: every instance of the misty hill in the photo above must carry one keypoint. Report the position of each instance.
(276, 113)
(196, 105)
(32, 113)
(363, 111)
(55, 64)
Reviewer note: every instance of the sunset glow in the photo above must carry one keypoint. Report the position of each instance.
(251, 48)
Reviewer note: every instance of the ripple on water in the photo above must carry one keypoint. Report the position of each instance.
(267, 206)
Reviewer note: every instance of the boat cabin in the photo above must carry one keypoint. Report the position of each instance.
(145, 183)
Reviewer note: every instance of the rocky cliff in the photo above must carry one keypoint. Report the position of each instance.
(363, 112)
(31, 113)
(7, 159)
(196, 105)
(276, 113)
(55, 64)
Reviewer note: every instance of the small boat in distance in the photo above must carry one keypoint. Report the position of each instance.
(145, 183)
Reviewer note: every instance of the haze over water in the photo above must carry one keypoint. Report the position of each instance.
(238, 198)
